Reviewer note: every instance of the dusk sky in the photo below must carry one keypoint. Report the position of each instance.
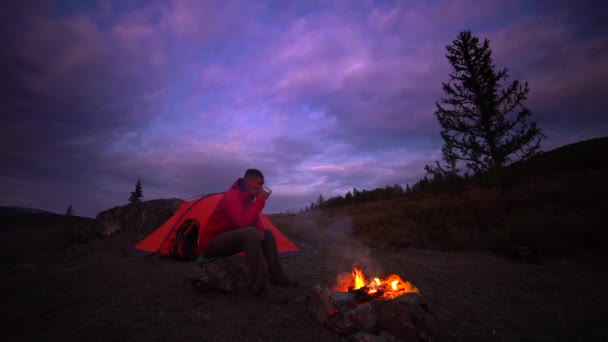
(321, 96)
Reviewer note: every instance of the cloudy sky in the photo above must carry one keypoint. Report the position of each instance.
(322, 96)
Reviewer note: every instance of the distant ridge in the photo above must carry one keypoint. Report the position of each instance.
(5, 211)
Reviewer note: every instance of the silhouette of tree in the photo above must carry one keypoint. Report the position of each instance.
(348, 197)
(70, 211)
(483, 124)
(320, 202)
(137, 194)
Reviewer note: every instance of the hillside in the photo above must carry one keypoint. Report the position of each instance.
(555, 203)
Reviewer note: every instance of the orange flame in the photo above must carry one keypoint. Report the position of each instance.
(392, 286)
(359, 278)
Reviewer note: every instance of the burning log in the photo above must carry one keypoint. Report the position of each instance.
(366, 293)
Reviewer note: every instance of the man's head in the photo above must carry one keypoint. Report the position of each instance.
(253, 181)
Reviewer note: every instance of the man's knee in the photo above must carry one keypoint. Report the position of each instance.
(250, 233)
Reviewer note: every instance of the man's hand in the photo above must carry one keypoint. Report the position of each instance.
(263, 194)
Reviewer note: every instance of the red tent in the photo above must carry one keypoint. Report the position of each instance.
(201, 209)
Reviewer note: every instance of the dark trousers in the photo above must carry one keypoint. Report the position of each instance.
(261, 255)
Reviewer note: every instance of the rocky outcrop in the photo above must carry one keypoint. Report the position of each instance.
(140, 218)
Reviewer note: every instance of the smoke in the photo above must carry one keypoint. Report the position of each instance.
(330, 239)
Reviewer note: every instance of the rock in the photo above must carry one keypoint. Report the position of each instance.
(319, 304)
(363, 318)
(220, 275)
(345, 301)
(518, 252)
(408, 318)
(140, 218)
(336, 323)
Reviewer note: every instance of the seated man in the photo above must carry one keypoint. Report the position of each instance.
(235, 226)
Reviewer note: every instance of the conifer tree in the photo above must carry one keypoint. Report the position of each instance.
(348, 197)
(70, 211)
(483, 124)
(137, 194)
(320, 202)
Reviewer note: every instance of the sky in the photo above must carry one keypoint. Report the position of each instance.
(321, 96)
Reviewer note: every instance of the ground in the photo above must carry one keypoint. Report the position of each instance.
(107, 295)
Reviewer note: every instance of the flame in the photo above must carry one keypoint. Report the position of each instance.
(359, 278)
(391, 286)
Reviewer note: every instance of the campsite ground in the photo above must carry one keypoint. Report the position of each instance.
(105, 295)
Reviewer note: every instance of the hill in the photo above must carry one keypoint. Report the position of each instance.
(33, 235)
(6, 211)
(554, 203)
(572, 158)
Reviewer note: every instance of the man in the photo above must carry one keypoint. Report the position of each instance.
(235, 226)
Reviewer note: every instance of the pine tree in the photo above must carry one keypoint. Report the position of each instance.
(483, 124)
(356, 195)
(320, 202)
(348, 197)
(70, 211)
(137, 194)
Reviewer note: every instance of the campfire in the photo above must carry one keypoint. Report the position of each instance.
(362, 309)
(388, 288)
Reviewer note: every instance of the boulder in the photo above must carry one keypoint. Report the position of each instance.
(408, 318)
(139, 218)
(318, 302)
(220, 275)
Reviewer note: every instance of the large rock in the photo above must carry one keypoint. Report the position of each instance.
(319, 304)
(139, 218)
(220, 275)
(408, 318)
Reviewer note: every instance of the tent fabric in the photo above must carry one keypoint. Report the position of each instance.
(201, 209)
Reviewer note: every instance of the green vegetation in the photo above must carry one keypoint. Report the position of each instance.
(554, 202)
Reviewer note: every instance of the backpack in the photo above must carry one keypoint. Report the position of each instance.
(185, 243)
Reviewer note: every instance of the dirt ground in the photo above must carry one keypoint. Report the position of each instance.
(106, 295)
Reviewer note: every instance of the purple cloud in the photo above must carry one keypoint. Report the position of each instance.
(322, 96)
